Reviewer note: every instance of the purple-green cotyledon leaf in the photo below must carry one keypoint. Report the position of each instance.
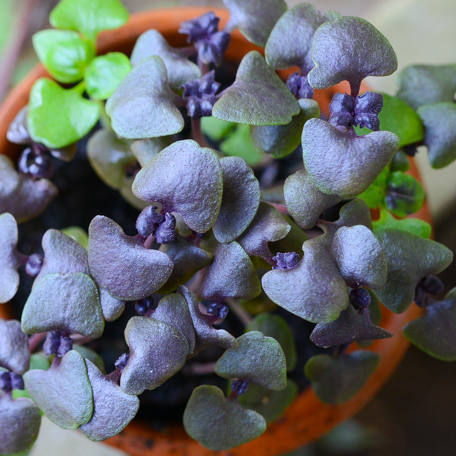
(14, 347)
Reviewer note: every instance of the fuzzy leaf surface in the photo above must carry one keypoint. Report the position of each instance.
(336, 380)
(152, 363)
(14, 347)
(9, 264)
(349, 49)
(193, 189)
(219, 423)
(64, 302)
(76, 115)
(112, 308)
(113, 409)
(258, 359)
(257, 96)
(410, 258)
(63, 392)
(122, 265)
(142, 106)
(230, 275)
(342, 163)
(256, 18)
(240, 199)
(180, 69)
(20, 195)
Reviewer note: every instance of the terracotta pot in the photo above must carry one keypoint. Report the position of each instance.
(307, 418)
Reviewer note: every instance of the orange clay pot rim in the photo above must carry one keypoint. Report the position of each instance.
(307, 418)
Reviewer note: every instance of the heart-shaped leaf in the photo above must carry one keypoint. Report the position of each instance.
(290, 41)
(14, 347)
(359, 257)
(268, 226)
(188, 260)
(257, 96)
(399, 118)
(122, 265)
(63, 392)
(206, 335)
(22, 196)
(142, 106)
(268, 403)
(405, 195)
(258, 359)
(193, 189)
(218, 423)
(335, 380)
(359, 159)
(153, 363)
(255, 18)
(434, 332)
(64, 54)
(104, 74)
(180, 68)
(349, 49)
(240, 200)
(351, 326)
(314, 289)
(10, 261)
(230, 275)
(76, 115)
(356, 212)
(62, 255)
(276, 327)
(282, 140)
(113, 409)
(440, 125)
(439, 80)
(112, 308)
(146, 149)
(410, 258)
(20, 422)
(110, 157)
(64, 302)
(173, 310)
(412, 225)
(305, 201)
(89, 17)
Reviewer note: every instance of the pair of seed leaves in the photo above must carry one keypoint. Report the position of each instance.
(70, 57)
(430, 91)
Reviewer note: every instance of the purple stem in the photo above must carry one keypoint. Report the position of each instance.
(243, 316)
(197, 132)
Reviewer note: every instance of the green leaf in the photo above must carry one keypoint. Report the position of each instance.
(64, 302)
(89, 17)
(216, 129)
(276, 327)
(180, 69)
(374, 194)
(255, 18)
(257, 97)
(268, 403)
(282, 140)
(335, 380)
(412, 225)
(400, 162)
(218, 423)
(153, 363)
(399, 118)
(105, 73)
(240, 199)
(63, 392)
(410, 258)
(405, 195)
(76, 115)
(239, 144)
(435, 331)
(143, 106)
(258, 359)
(64, 54)
(195, 192)
(440, 132)
(230, 275)
(78, 234)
